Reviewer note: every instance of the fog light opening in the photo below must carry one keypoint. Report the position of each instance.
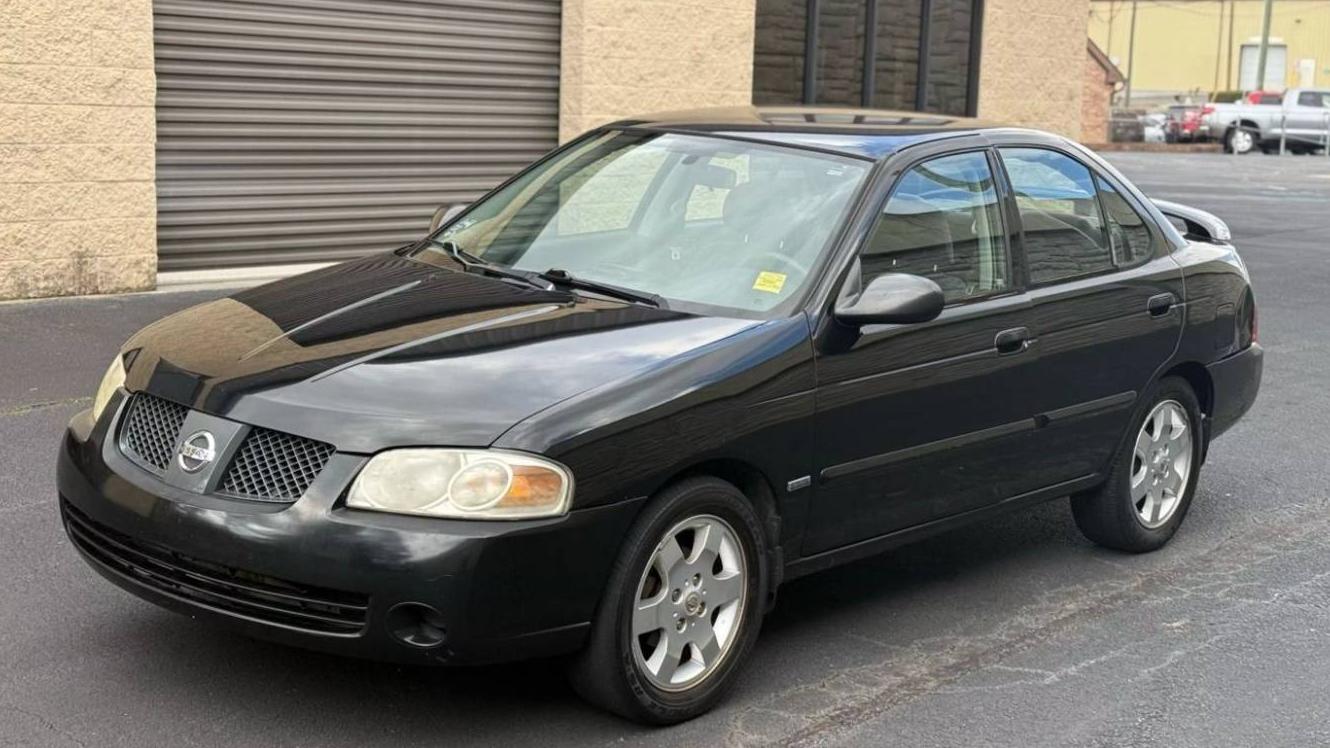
(417, 625)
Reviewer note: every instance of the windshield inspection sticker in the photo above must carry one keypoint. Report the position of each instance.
(769, 282)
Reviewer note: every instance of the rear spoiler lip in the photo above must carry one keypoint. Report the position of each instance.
(1199, 222)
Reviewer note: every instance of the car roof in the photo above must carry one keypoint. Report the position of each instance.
(864, 133)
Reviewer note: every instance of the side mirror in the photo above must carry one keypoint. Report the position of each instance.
(444, 214)
(892, 298)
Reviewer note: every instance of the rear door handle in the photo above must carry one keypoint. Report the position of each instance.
(1160, 304)
(1011, 341)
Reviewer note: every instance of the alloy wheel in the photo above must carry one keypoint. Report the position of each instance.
(1241, 141)
(690, 603)
(1161, 463)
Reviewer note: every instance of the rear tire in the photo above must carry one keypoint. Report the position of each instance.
(677, 621)
(1153, 475)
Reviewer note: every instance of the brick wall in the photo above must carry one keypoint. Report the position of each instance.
(1033, 63)
(77, 205)
(627, 57)
(1096, 95)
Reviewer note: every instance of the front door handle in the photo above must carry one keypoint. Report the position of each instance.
(1011, 341)
(1160, 304)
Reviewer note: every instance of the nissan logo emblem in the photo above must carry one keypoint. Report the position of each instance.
(196, 451)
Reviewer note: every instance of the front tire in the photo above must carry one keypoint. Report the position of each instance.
(1153, 475)
(682, 607)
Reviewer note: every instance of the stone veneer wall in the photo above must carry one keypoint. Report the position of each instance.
(1033, 63)
(77, 205)
(626, 57)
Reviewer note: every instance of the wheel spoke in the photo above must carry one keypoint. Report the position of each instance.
(1159, 426)
(1173, 481)
(708, 648)
(1143, 445)
(724, 588)
(648, 614)
(1156, 504)
(1140, 483)
(665, 660)
(668, 556)
(706, 544)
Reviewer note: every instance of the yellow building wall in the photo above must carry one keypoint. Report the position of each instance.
(1183, 45)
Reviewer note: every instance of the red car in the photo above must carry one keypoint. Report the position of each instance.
(1182, 123)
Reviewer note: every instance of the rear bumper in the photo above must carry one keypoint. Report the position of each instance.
(1236, 380)
(317, 575)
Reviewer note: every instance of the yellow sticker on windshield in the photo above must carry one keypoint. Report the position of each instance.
(769, 282)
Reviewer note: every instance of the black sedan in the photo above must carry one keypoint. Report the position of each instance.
(609, 407)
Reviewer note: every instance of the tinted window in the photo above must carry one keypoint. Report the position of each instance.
(1127, 230)
(942, 223)
(1314, 98)
(1064, 234)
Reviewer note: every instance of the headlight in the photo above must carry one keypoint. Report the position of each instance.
(462, 483)
(112, 380)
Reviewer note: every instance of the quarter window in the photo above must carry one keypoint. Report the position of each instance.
(1064, 232)
(942, 223)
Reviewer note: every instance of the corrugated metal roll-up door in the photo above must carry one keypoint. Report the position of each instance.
(310, 130)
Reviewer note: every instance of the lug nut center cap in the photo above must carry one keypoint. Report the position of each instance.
(692, 605)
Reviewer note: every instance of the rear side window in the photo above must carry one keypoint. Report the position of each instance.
(942, 223)
(1319, 99)
(1127, 231)
(1064, 232)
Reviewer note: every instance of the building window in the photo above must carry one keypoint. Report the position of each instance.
(886, 54)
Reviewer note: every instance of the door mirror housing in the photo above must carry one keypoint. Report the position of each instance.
(892, 298)
(444, 214)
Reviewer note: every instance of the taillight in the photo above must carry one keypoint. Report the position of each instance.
(1255, 329)
(1207, 109)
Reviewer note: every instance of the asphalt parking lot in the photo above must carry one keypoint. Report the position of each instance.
(1013, 633)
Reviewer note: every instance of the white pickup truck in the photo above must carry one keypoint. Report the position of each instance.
(1302, 120)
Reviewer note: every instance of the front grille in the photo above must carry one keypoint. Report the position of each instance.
(151, 427)
(272, 466)
(223, 589)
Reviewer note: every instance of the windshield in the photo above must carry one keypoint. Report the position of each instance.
(715, 225)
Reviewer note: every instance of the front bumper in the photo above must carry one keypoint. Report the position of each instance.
(318, 575)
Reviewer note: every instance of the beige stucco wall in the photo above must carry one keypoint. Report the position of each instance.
(77, 204)
(1033, 63)
(626, 57)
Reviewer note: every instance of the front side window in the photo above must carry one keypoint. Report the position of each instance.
(712, 225)
(1064, 232)
(942, 223)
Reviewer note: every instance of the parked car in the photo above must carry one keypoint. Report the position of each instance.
(1126, 126)
(1154, 128)
(610, 407)
(1182, 123)
(1302, 119)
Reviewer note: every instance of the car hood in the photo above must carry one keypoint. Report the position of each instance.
(391, 351)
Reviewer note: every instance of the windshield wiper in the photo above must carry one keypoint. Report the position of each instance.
(468, 260)
(565, 279)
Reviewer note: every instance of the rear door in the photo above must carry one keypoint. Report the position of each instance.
(1309, 117)
(1106, 305)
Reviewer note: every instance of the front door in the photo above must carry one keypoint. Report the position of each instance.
(919, 422)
